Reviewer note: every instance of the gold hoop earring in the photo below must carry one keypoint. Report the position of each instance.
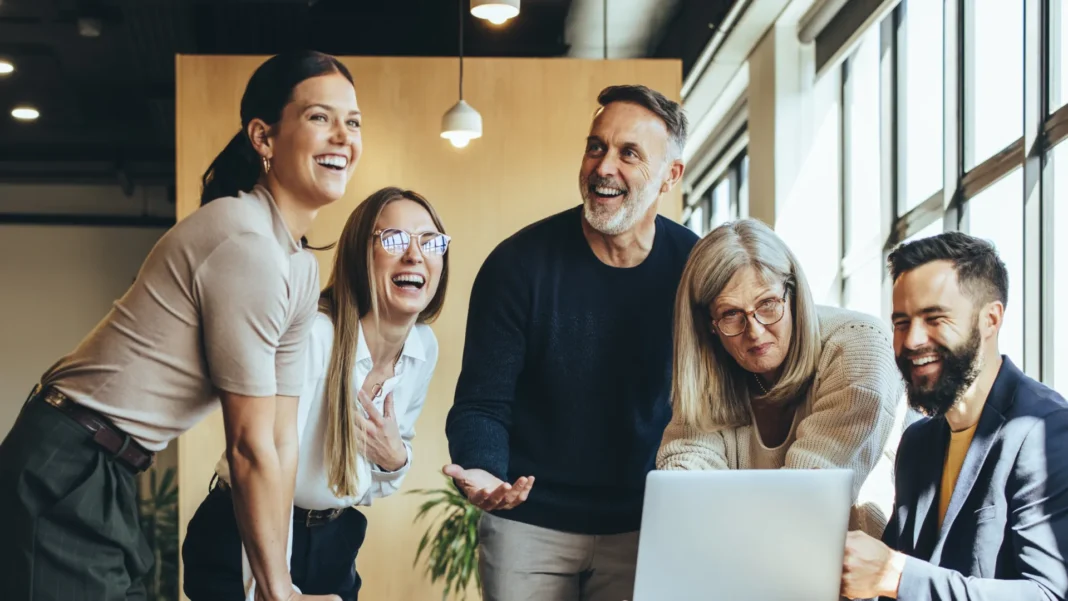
(266, 165)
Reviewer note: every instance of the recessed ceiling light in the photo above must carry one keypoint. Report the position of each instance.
(25, 113)
(90, 27)
(6, 67)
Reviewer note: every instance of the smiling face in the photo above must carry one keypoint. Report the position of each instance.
(937, 338)
(406, 282)
(625, 167)
(760, 349)
(314, 148)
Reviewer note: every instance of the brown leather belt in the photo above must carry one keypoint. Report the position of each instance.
(309, 517)
(107, 435)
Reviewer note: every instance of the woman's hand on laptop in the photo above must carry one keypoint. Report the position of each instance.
(488, 492)
(870, 568)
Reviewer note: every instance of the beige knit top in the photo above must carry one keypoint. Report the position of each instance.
(851, 417)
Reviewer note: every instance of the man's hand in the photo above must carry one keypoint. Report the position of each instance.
(385, 448)
(488, 492)
(870, 568)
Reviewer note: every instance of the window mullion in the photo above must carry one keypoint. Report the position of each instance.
(1035, 79)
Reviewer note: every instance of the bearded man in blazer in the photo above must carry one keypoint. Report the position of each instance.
(981, 509)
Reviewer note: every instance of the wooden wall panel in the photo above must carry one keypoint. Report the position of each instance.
(536, 114)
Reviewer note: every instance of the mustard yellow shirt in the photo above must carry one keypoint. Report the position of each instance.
(958, 448)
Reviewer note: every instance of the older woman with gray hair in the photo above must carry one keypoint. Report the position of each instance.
(766, 379)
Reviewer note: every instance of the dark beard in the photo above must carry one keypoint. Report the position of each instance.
(959, 370)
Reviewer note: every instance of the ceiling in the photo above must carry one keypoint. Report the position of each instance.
(107, 101)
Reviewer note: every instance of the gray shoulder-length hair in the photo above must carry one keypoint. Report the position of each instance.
(709, 390)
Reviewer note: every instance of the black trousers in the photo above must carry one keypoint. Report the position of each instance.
(323, 558)
(69, 526)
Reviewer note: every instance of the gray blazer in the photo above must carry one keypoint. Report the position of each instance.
(1005, 533)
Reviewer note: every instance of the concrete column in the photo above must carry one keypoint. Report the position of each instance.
(794, 146)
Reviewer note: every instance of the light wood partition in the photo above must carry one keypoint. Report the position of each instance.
(536, 115)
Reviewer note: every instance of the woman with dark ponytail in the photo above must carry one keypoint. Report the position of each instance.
(221, 310)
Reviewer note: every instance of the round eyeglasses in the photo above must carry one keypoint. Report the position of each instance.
(396, 241)
(735, 321)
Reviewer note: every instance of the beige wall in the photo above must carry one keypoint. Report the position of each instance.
(536, 114)
(56, 283)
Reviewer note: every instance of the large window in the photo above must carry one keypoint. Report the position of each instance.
(1058, 77)
(993, 77)
(920, 99)
(863, 237)
(722, 205)
(863, 187)
(722, 196)
(1058, 329)
(993, 184)
(863, 289)
(898, 84)
(743, 186)
(932, 229)
(996, 214)
(696, 220)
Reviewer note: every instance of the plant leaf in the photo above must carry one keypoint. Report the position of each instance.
(449, 544)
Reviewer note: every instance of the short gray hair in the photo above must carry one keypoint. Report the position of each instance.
(669, 111)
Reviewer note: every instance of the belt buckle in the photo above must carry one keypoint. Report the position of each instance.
(317, 517)
(55, 398)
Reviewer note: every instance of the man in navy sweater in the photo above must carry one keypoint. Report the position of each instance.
(566, 371)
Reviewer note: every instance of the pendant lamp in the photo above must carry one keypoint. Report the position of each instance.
(461, 123)
(495, 11)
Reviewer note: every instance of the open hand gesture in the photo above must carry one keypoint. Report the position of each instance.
(488, 492)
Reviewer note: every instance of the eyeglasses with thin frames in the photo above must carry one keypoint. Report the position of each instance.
(395, 241)
(769, 312)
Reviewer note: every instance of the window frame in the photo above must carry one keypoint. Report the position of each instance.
(726, 167)
(854, 259)
(1032, 153)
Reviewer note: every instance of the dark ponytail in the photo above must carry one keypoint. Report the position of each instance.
(238, 167)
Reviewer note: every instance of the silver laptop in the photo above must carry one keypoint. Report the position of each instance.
(743, 535)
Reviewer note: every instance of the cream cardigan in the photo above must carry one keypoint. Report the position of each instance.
(852, 417)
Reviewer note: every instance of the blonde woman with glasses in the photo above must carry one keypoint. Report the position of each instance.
(763, 378)
(371, 357)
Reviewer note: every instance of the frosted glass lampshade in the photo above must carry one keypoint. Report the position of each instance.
(461, 124)
(495, 11)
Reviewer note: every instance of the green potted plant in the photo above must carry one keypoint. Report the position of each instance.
(159, 522)
(452, 547)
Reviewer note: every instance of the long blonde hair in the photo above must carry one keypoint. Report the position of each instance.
(350, 295)
(709, 390)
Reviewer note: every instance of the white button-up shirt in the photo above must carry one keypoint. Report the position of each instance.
(408, 385)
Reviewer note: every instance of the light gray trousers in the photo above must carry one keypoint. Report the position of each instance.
(520, 562)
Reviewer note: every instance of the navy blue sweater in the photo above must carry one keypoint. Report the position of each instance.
(566, 373)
